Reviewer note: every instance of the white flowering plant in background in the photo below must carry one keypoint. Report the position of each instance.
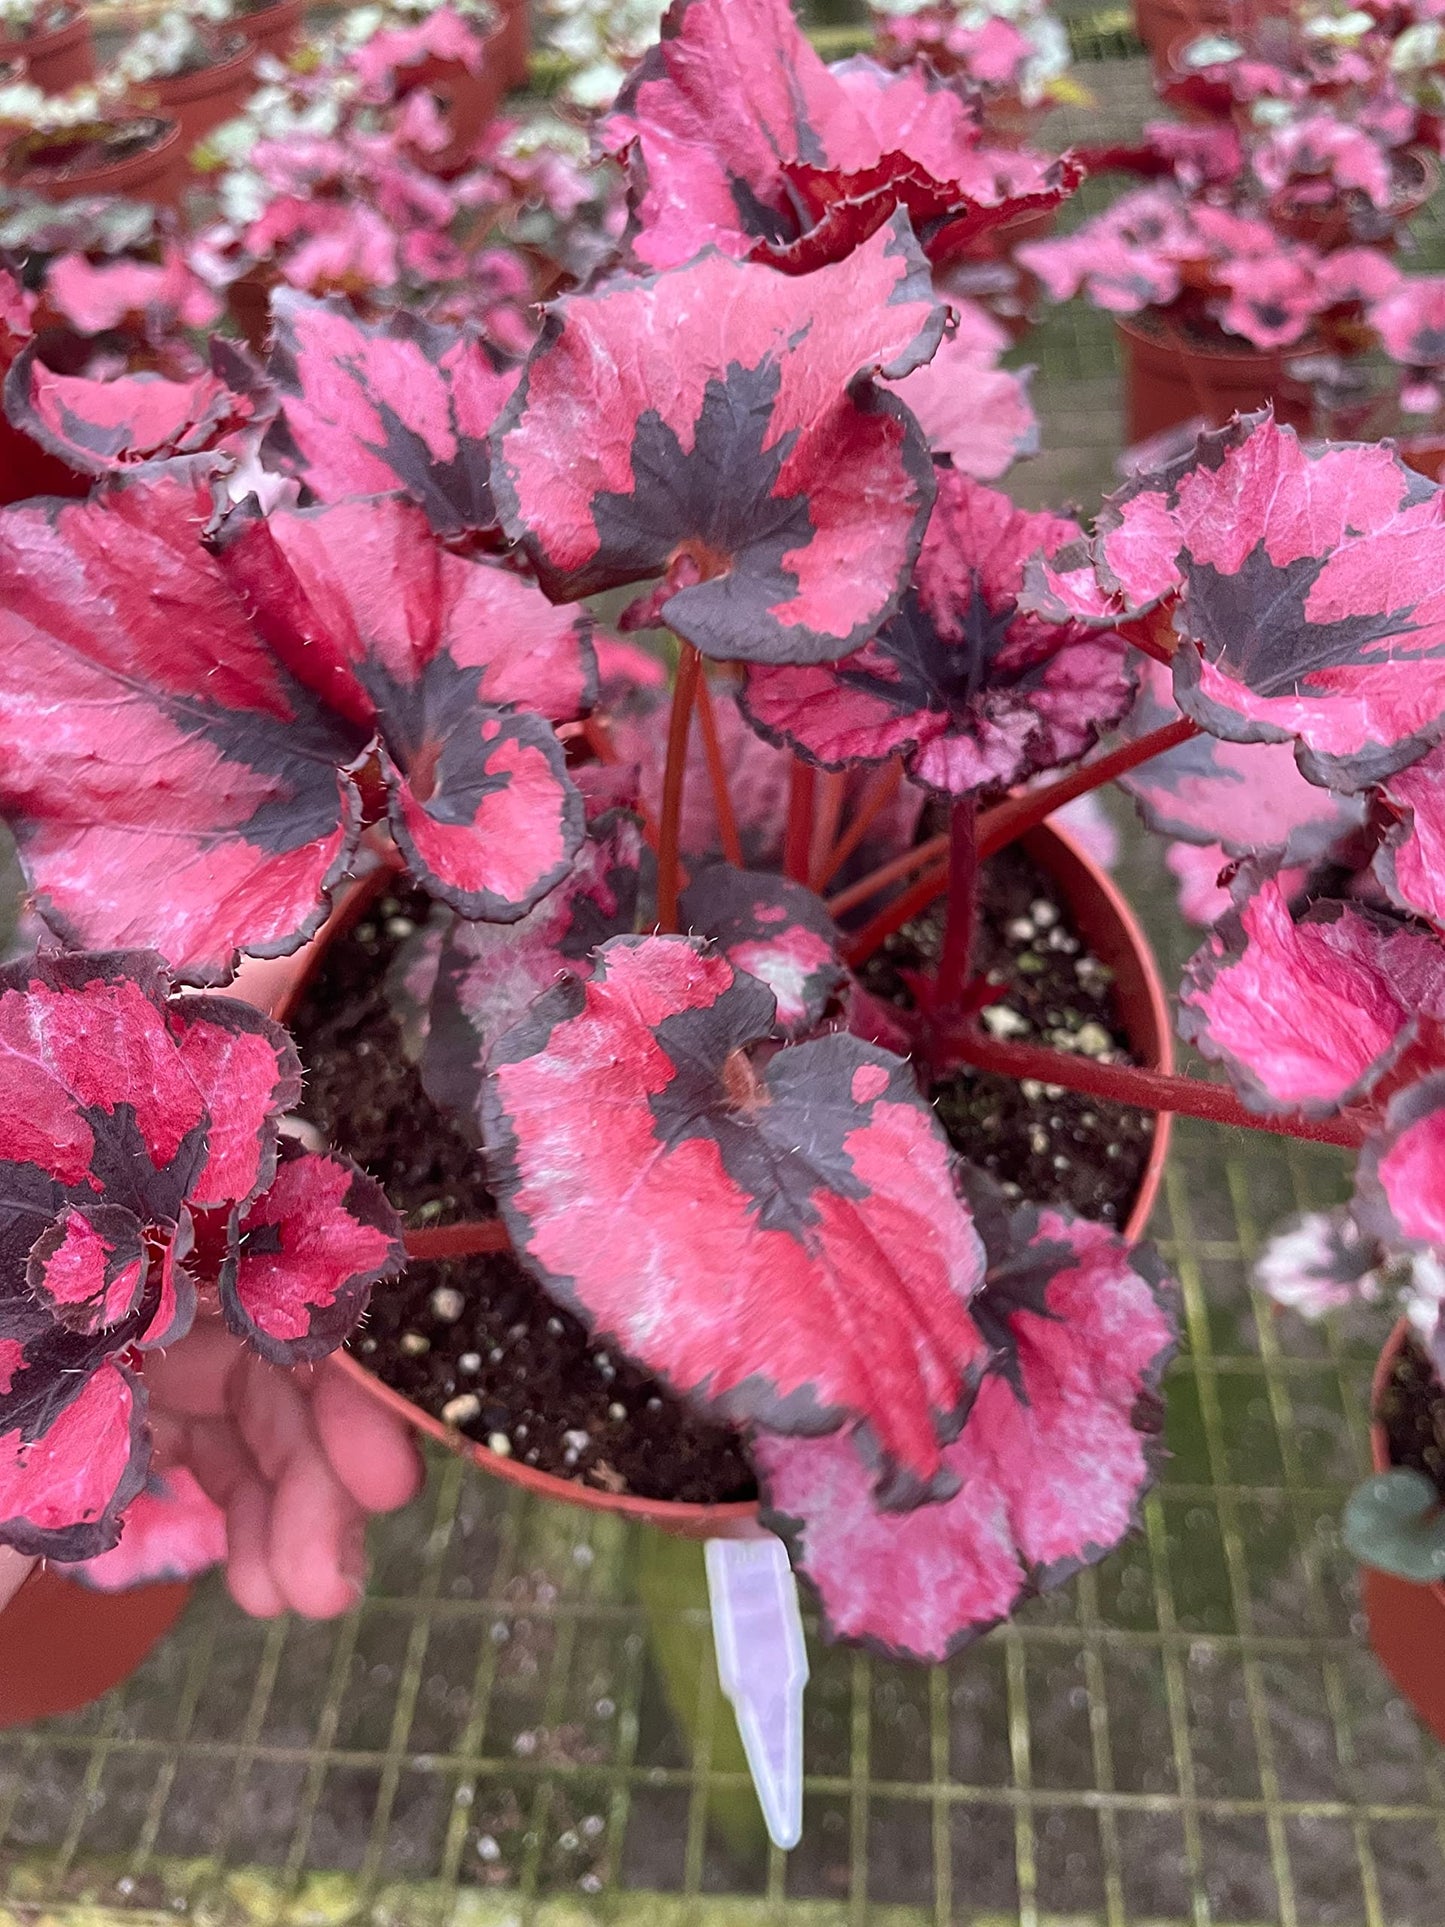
(599, 41)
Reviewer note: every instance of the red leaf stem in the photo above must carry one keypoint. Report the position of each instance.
(797, 847)
(881, 790)
(1129, 1084)
(684, 695)
(727, 822)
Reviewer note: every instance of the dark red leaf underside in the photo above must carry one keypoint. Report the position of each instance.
(1049, 1470)
(369, 407)
(779, 1239)
(976, 694)
(714, 426)
(305, 1256)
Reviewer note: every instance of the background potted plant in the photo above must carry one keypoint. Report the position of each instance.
(53, 39)
(83, 143)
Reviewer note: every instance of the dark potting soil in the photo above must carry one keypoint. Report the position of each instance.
(1412, 1411)
(363, 1095)
(1041, 1142)
(476, 1343)
(480, 1331)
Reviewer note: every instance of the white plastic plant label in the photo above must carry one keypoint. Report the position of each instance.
(762, 1662)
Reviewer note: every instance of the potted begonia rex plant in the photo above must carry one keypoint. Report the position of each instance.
(367, 681)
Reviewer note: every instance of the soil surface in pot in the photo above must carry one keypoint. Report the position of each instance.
(1412, 1411)
(480, 1330)
(60, 157)
(361, 1092)
(1040, 1142)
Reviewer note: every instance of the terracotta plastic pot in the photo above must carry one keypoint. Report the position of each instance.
(1169, 381)
(198, 102)
(275, 29)
(152, 174)
(512, 44)
(1407, 1620)
(63, 1645)
(1350, 220)
(469, 100)
(1426, 457)
(1161, 23)
(58, 60)
(1199, 94)
(1104, 920)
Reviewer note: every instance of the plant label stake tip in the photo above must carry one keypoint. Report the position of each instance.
(762, 1664)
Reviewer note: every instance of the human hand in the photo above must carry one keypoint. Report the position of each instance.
(296, 1459)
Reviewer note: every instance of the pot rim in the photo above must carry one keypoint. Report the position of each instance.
(43, 178)
(182, 90)
(76, 24)
(275, 985)
(1246, 351)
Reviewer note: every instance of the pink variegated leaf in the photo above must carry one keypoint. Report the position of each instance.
(247, 1071)
(1313, 601)
(450, 661)
(105, 427)
(1314, 1013)
(1248, 797)
(368, 407)
(738, 137)
(196, 799)
(67, 1474)
(1400, 1183)
(777, 1236)
(1411, 860)
(1047, 1475)
(303, 1258)
(1410, 321)
(489, 974)
(160, 297)
(777, 931)
(715, 426)
(977, 695)
(172, 1531)
(976, 415)
(88, 1268)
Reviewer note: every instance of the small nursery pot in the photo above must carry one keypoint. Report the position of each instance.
(200, 101)
(275, 29)
(1169, 381)
(151, 173)
(63, 1645)
(1349, 220)
(511, 45)
(1104, 920)
(1160, 24)
(1406, 1619)
(58, 60)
